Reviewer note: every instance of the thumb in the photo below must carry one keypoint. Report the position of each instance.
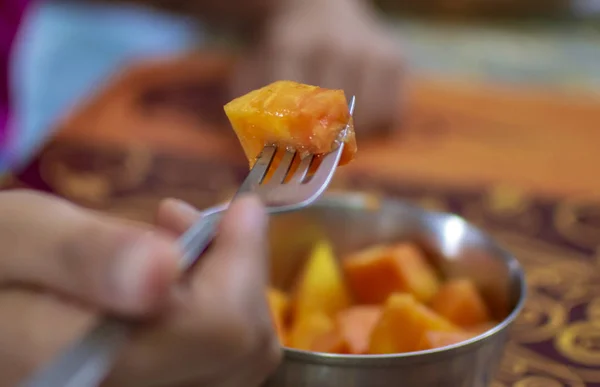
(115, 265)
(237, 264)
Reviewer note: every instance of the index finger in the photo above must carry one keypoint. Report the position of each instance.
(50, 243)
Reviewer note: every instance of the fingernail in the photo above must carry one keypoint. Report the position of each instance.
(131, 268)
(185, 209)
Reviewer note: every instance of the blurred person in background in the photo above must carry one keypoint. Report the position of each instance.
(58, 53)
(65, 50)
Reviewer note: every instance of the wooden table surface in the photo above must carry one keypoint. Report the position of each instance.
(454, 134)
(475, 135)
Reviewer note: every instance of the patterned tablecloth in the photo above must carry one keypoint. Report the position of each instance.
(556, 341)
(124, 164)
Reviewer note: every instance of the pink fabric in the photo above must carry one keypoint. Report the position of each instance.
(11, 12)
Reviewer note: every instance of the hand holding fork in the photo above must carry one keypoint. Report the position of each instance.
(86, 363)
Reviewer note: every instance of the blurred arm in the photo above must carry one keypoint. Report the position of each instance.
(64, 53)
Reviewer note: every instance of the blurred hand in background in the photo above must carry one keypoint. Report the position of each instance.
(335, 44)
(66, 52)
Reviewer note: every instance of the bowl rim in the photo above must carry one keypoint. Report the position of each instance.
(373, 202)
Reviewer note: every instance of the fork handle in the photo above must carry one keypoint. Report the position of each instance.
(88, 361)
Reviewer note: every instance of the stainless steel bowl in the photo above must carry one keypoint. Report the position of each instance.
(456, 248)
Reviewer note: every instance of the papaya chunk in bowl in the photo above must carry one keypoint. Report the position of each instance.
(279, 303)
(459, 301)
(382, 299)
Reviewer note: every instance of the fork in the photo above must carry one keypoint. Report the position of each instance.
(87, 362)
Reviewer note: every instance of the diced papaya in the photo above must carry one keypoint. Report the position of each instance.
(437, 339)
(356, 324)
(481, 328)
(278, 303)
(305, 118)
(460, 302)
(330, 342)
(321, 288)
(375, 273)
(402, 324)
(308, 329)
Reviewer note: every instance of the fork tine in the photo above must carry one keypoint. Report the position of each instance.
(317, 183)
(327, 168)
(351, 105)
(302, 170)
(259, 171)
(283, 168)
(330, 161)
